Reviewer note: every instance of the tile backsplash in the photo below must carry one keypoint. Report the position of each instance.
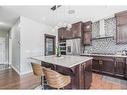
(106, 45)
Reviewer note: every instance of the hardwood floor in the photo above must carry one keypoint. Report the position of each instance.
(99, 83)
(9, 79)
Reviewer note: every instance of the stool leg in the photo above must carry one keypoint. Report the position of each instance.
(42, 82)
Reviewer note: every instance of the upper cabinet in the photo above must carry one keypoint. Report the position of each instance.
(77, 29)
(87, 33)
(61, 33)
(121, 27)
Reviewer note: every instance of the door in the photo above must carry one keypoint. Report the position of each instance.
(120, 64)
(108, 65)
(76, 30)
(121, 32)
(4, 50)
(49, 44)
(126, 68)
(96, 64)
(88, 74)
(87, 38)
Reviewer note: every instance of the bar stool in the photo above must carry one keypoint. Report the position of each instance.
(38, 71)
(55, 79)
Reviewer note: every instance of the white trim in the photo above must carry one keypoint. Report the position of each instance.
(15, 69)
(23, 73)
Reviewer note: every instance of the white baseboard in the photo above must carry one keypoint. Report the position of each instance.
(15, 69)
(23, 73)
(19, 73)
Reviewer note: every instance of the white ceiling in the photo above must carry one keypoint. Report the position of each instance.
(43, 14)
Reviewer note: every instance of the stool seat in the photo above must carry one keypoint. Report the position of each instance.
(38, 71)
(55, 79)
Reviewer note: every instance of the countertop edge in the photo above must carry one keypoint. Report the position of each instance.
(122, 56)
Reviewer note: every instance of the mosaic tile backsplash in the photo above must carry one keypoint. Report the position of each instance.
(107, 45)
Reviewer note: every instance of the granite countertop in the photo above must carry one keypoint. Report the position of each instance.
(105, 55)
(64, 60)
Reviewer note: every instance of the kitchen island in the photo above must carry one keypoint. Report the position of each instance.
(78, 67)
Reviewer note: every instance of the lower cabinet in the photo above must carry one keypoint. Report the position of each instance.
(120, 64)
(103, 65)
(126, 69)
(96, 65)
(88, 74)
(110, 65)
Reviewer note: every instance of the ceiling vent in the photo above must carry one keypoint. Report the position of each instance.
(71, 11)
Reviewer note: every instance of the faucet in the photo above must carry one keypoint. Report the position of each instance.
(124, 52)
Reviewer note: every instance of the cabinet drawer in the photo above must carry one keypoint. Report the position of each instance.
(120, 59)
(107, 59)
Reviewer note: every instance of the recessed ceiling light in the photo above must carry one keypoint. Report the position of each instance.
(71, 11)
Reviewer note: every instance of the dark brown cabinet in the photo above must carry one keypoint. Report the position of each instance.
(103, 65)
(77, 29)
(120, 64)
(81, 74)
(110, 65)
(107, 65)
(87, 33)
(96, 65)
(74, 32)
(121, 25)
(88, 74)
(87, 39)
(69, 34)
(61, 33)
(126, 69)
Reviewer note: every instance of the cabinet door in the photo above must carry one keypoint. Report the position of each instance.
(87, 38)
(95, 65)
(61, 33)
(121, 36)
(68, 34)
(77, 29)
(121, 18)
(87, 33)
(121, 33)
(120, 64)
(108, 65)
(126, 69)
(87, 26)
(88, 74)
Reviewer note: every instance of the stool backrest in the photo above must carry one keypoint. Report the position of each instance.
(55, 79)
(37, 69)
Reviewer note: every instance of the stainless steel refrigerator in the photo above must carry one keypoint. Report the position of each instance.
(73, 46)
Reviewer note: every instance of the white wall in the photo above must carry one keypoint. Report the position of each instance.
(14, 47)
(32, 41)
(27, 40)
